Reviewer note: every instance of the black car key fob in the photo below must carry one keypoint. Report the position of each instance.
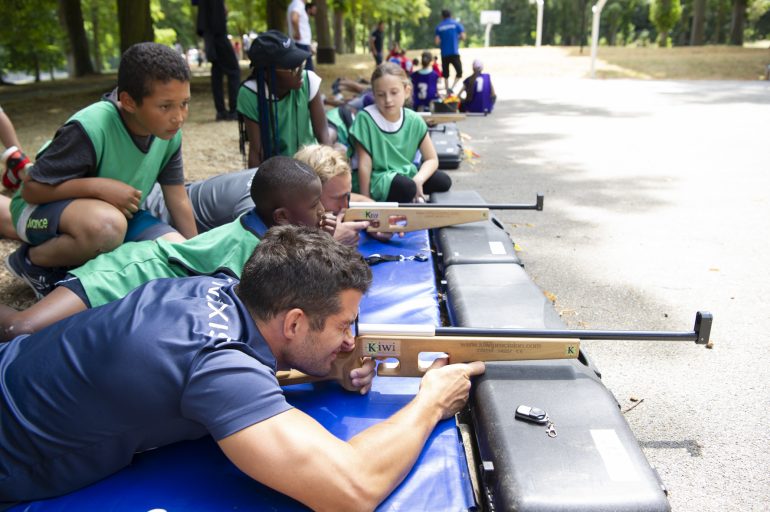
(531, 414)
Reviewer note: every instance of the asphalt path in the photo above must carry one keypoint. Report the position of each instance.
(656, 206)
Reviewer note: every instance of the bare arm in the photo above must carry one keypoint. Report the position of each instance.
(358, 198)
(7, 229)
(255, 142)
(318, 120)
(437, 40)
(180, 209)
(429, 164)
(295, 455)
(7, 132)
(120, 195)
(364, 171)
(295, 25)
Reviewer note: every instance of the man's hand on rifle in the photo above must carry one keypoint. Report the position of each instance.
(448, 385)
(362, 377)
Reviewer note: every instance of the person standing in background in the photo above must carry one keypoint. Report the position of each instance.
(376, 41)
(212, 26)
(299, 27)
(449, 33)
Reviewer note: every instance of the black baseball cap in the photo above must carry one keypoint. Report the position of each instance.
(276, 48)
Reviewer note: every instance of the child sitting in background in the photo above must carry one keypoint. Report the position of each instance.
(387, 137)
(279, 104)
(477, 94)
(424, 84)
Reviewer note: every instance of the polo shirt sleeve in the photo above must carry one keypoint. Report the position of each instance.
(228, 390)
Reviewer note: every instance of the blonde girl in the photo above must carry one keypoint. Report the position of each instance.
(387, 137)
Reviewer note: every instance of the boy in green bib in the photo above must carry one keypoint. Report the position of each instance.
(284, 190)
(84, 195)
(279, 105)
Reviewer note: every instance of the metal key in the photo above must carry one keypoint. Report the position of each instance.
(550, 428)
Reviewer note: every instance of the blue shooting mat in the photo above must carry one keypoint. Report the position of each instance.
(195, 475)
(403, 292)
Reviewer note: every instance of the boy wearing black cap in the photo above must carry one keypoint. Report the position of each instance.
(279, 104)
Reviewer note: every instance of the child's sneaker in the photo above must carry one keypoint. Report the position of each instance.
(42, 280)
(14, 162)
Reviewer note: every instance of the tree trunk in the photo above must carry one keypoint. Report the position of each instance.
(71, 18)
(37, 66)
(717, 36)
(135, 22)
(276, 15)
(737, 22)
(582, 24)
(698, 22)
(323, 36)
(663, 39)
(95, 25)
(350, 34)
(339, 18)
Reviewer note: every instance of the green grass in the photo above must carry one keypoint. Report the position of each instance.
(690, 63)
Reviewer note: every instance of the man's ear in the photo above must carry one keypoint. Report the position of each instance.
(294, 324)
(281, 216)
(127, 102)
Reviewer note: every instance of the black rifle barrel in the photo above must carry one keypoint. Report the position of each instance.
(538, 205)
(700, 333)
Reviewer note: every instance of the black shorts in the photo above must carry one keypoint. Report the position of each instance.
(455, 61)
(40, 223)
